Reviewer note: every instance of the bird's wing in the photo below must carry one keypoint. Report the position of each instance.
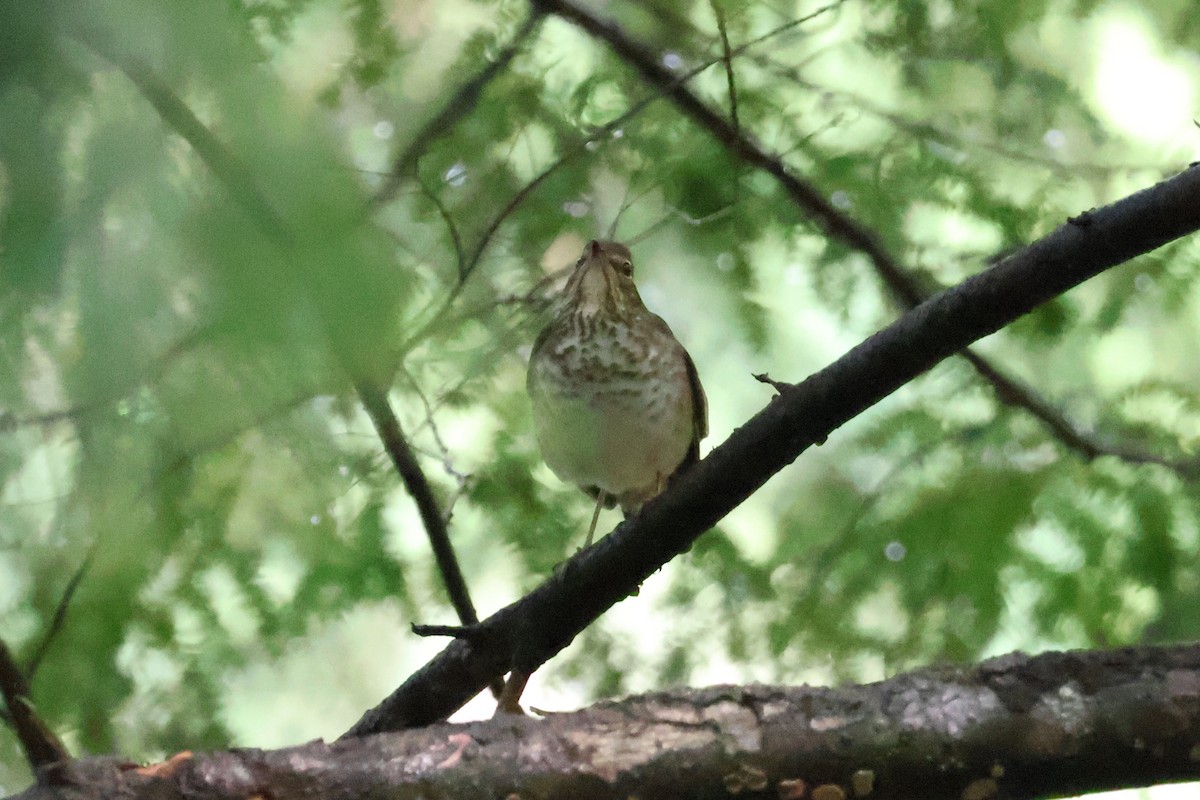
(699, 409)
(699, 401)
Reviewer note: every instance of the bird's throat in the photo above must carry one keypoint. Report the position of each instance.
(594, 295)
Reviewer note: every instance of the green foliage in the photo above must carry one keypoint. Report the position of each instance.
(193, 267)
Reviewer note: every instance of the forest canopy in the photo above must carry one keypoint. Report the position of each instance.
(220, 221)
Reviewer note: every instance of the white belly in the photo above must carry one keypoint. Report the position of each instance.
(611, 445)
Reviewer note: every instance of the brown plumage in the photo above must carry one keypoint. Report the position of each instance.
(617, 403)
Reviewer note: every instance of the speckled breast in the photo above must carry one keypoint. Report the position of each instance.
(612, 403)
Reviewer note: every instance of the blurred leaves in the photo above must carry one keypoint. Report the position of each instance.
(183, 297)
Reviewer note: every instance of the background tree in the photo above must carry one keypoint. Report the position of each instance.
(224, 223)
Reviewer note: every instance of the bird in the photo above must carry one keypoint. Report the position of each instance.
(617, 403)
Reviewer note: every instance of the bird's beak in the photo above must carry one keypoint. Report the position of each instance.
(591, 279)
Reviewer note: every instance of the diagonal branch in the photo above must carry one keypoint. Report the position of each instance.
(60, 614)
(459, 106)
(1010, 390)
(533, 629)
(46, 754)
(405, 461)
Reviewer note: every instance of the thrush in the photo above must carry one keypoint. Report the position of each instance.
(617, 404)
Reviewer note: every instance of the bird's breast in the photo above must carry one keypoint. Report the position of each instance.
(612, 406)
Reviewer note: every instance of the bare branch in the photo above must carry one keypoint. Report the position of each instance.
(778, 386)
(46, 754)
(843, 228)
(451, 226)
(459, 106)
(539, 625)
(443, 452)
(388, 428)
(727, 62)
(60, 615)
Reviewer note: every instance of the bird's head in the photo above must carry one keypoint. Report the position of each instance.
(602, 282)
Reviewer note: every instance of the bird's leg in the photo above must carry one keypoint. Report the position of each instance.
(509, 701)
(600, 498)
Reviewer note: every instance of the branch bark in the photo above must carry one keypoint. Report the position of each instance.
(46, 754)
(530, 631)
(1016, 726)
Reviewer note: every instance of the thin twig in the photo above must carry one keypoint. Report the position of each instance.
(843, 228)
(727, 61)
(388, 427)
(599, 135)
(60, 615)
(459, 106)
(778, 386)
(443, 452)
(46, 754)
(453, 631)
(451, 226)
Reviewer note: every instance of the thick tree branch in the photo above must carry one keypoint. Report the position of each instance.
(1010, 390)
(46, 754)
(536, 627)
(1017, 727)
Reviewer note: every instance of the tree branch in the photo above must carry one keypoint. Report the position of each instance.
(60, 614)
(388, 427)
(459, 106)
(46, 754)
(727, 62)
(533, 629)
(598, 135)
(1019, 727)
(1011, 390)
